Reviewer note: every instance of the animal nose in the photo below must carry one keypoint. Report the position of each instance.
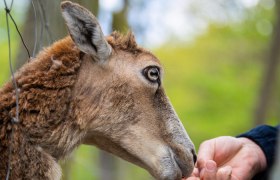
(194, 156)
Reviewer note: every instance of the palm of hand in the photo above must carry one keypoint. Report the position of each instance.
(241, 154)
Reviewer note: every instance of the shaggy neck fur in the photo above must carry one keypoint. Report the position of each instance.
(47, 130)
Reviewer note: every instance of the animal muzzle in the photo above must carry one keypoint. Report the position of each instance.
(178, 162)
(169, 158)
(176, 157)
(181, 148)
(185, 159)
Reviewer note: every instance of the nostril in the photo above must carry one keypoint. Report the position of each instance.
(194, 156)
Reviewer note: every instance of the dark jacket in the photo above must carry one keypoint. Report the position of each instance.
(266, 137)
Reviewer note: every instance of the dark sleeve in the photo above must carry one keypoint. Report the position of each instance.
(266, 137)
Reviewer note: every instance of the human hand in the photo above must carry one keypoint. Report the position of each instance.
(228, 158)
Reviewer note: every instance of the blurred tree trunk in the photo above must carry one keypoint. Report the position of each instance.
(270, 73)
(108, 166)
(119, 22)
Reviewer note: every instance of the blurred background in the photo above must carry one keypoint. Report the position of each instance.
(221, 61)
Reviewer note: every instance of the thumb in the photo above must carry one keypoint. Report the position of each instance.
(206, 152)
(210, 170)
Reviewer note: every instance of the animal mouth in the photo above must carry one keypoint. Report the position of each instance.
(182, 166)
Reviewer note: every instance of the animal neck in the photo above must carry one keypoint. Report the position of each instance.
(47, 130)
(63, 139)
(48, 116)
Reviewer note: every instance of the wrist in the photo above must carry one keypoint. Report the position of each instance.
(259, 159)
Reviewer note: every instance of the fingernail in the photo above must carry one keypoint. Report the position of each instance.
(210, 166)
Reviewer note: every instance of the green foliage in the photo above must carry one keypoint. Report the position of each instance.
(213, 83)
(4, 50)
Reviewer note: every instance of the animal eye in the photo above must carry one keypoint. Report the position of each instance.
(152, 73)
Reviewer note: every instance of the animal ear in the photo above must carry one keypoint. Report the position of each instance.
(85, 31)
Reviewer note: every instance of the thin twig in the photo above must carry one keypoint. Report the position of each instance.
(35, 27)
(47, 26)
(20, 35)
(16, 118)
(8, 31)
(41, 27)
(6, 6)
(11, 69)
(11, 5)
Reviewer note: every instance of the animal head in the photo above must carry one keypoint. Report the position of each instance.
(121, 103)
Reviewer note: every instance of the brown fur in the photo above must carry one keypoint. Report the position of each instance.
(125, 43)
(45, 102)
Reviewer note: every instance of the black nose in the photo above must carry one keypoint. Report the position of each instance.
(194, 156)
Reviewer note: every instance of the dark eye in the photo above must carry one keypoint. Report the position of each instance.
(152, 73)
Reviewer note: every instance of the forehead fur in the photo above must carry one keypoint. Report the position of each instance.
(126, 42)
